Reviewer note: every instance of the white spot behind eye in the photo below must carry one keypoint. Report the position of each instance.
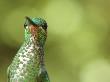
(42, 28)
(27, 27)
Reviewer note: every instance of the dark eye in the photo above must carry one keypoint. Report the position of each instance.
(45, 26)
(25, 25)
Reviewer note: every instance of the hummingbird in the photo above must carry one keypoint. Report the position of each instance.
(28, 64)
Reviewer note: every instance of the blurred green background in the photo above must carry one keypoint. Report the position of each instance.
(78, 43)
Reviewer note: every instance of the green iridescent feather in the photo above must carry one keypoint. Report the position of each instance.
(28, 64)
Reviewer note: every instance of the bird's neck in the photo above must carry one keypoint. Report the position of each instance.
(39, 47)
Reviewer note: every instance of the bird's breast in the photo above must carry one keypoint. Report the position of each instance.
(25, 63)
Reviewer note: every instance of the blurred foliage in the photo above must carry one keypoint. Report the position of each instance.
(78, 43)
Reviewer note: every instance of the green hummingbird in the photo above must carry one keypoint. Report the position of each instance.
(28, 64)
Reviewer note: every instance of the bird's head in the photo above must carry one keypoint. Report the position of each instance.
(36, 28)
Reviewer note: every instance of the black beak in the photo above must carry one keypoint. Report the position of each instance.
(29, 22)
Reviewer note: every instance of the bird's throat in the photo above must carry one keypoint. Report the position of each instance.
(37, 46)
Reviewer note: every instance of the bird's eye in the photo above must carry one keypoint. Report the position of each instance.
(25, 25)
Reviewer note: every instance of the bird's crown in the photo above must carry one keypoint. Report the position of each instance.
(36, 21)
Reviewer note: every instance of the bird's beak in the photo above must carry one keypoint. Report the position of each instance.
(29, 20)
